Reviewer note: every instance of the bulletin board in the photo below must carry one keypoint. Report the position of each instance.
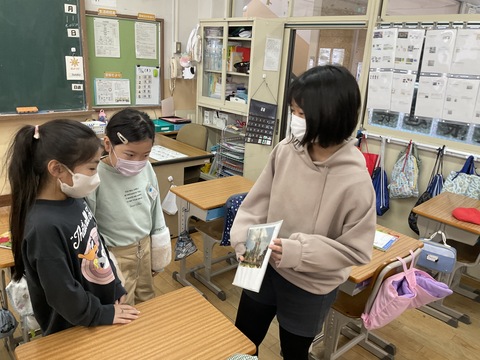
(39, 41)
(114, 68)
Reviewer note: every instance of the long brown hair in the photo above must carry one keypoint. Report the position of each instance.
(32, 147)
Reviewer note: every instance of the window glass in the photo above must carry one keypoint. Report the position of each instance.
(426, 7)
(329, 7)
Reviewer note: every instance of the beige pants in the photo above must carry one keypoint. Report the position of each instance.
(135, 264)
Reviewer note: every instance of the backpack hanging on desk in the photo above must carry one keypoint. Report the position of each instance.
(437, 256)
(435, 185)
(411, 288)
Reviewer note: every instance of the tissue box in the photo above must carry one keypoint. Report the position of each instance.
(97, 126)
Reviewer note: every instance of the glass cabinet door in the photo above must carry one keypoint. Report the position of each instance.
(213, 62)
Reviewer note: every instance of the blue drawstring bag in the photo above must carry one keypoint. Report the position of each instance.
(380, 183)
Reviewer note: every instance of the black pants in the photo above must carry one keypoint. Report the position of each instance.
(293, 347)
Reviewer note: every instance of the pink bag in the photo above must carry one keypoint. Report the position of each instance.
(411, 288)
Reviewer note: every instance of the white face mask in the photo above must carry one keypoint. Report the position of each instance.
(82, 186)
(298, 127)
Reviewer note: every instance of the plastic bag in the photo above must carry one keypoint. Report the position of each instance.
(184, 246)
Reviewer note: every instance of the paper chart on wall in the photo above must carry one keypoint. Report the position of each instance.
(145, 40)
(403, 85)
(476, 112)
(383, 48)
(147, 89)
(438, 50)
(460, 97)
(107, 37)
(430, 95)
(112, 91)
(379, 89)
(466, 55)
(408, 49)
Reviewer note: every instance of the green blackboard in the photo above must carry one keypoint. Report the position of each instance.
(124, 66)
(35, 38)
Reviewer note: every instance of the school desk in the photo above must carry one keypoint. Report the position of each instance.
(204, 200)
(436, 214)
(354, 298)
(175, 167)
(178, 325)
(6, 262)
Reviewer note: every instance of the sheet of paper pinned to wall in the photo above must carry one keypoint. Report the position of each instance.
(107, 37)
(379, 89)
(273, 50)
(467, 52)
(74, 67)
(430, 95)
(438, 53)
(145, 40)
(109, 3)
(147, 89)
(112, 91)
(408, 49)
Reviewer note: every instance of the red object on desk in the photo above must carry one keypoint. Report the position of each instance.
(471, 215)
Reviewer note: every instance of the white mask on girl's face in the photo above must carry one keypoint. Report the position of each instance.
(82, 186)
(298, 127)
(128, 167)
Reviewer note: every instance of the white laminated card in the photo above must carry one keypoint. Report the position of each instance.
(251, 271)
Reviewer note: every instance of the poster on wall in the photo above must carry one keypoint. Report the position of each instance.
(379, 89)
(408, 49)
(107, 37)
(112, 91)
(403, 85)
(438, 51)
(430, 95)
(147, 89)
(383, 48)
(466, 55)
(460, 97)
(145, 40)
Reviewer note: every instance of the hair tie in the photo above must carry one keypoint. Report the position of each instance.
(36, 134)
(122, 138)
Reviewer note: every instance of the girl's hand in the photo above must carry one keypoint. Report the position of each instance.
(122, 299)
(277, 250)
(240, 258)
(124, 313)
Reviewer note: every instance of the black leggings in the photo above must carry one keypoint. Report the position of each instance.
(293, 347)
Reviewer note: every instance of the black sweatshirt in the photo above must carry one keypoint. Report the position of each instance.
(71, 279)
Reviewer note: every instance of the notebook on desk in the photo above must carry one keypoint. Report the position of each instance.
(161, 153)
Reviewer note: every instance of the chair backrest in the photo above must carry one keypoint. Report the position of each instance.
(231, 207)
(355, 306)
(194, 135)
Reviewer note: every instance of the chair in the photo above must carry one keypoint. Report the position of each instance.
(344, 318)
(194, 135)
(217, 232)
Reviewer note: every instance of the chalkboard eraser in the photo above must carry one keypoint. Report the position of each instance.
(26, 109)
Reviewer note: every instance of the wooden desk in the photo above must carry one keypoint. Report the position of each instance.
(176, 169)
(205, 200)
(6, 262)
(436, 214)
(178, 325)
(352, 299)
(360, 275)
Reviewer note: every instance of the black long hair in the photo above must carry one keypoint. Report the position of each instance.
(330, 99)
(132, 124)
(28, 155)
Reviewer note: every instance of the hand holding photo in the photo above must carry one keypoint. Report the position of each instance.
(251, 270)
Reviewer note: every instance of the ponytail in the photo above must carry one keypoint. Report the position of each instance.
(67, 141)
(24, 187)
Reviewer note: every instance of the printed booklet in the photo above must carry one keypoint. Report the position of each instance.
(251, 270)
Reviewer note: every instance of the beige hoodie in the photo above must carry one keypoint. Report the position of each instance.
(328, 213)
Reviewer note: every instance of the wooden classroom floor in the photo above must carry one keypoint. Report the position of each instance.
(415, 334)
